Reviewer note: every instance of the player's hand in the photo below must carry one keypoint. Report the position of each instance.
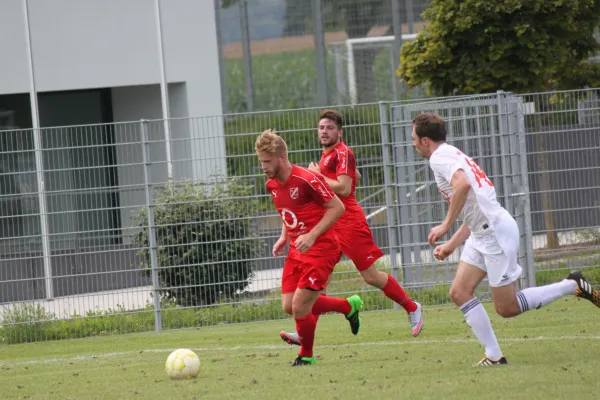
(436, 233)
(278, 247)
(314, 167)
(304, 242)
(442, 251)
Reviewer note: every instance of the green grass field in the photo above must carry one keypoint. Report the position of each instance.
(551, 352)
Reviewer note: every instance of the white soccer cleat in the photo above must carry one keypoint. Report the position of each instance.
(290, 338)
(416, 320)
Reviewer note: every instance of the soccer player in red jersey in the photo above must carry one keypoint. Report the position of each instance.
(308, 208)
(338, 166)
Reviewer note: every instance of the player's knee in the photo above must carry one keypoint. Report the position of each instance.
(459, 295)
(287, 308)
(374, 277)
(300, 311)
(507, 310)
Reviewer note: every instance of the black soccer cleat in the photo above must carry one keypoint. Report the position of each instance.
(299, 361)
(488, 362)
(357, 304)
(584, 288)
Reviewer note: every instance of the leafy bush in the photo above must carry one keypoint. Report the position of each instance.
(206, 249)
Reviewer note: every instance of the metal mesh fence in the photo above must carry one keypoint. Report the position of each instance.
(166, 224)
(293, 54)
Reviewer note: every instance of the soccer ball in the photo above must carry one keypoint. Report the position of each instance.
(182, 364)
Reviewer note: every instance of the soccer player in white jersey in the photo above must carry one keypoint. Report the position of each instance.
(492, 240)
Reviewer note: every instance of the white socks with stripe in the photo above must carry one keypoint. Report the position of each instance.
(479, 321)
(534, 298)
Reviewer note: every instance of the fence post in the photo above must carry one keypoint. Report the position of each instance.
(321, 54)
(151, 227)
(503, 133)
(222, 69)
(524, 190)
(389, 197)
(397, 28)
(245, 31)
(39, 163)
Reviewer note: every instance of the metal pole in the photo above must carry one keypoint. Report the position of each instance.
(151, 227)
(389, 197)
(39, 162)
(222, 69)
(321, 56)
(397, 28)
(247, 56)
(530, 268)
(410, 16)
(164, 97)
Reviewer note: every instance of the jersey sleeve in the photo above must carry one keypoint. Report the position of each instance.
(346, 164)
(319, 190)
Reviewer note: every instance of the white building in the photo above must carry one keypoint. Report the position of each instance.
(97, 62)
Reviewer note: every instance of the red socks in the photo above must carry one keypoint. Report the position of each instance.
(394, 291)
(326, 304)
(306, 327)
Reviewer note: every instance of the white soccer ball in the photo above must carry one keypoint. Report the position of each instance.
(182, 364)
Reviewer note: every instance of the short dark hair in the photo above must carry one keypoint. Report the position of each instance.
(430, 125)
(333, 115)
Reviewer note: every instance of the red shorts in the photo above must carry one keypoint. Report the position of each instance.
(307, 273)
(358, 245)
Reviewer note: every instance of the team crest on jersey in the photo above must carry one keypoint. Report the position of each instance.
(326, 160)
(294, 193)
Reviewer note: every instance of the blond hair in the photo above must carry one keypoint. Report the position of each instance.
(270, 143)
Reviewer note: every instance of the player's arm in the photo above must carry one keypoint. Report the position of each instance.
(334, 210)
(460, 190)
(461, 235)
(280, 243)
(342, 186)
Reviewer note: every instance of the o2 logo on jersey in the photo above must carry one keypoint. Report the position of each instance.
(478, 172)
(290, 220)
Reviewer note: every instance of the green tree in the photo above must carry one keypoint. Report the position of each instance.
(480, 46)
(205, 242)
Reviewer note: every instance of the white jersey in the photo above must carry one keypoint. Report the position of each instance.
(481, 210)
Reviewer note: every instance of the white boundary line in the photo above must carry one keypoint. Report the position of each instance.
(283, 347)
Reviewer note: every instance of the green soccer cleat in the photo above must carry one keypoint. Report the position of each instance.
(299, 361)
(357, 304)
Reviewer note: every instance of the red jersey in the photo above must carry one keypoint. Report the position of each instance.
(299, 201)
(340, 160)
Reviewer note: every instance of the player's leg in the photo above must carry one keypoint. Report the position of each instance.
(290, 276)
(306, 324)
(503, 271)
(359, 246)
(469, 274)
(312, 282)
(349, 307)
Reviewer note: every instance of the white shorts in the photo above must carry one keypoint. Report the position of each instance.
(496, 253)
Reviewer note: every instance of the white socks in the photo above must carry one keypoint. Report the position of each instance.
(536, 297)
(479, 321)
